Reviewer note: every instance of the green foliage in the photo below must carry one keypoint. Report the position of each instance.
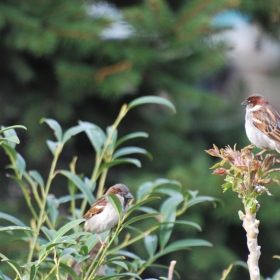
(56, 243)
(55, 54)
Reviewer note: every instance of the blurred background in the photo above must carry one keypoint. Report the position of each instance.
(81, 60)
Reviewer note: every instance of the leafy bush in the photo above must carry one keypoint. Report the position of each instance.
(58, 248)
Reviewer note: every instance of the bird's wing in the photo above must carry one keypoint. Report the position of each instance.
(268, 121)
(97, 207)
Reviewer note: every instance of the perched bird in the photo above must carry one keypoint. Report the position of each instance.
(102, 215)
(262, 123)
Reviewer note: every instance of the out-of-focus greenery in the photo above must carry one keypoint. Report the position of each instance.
(56, 64)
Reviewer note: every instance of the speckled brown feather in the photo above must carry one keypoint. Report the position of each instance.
(268, 121)
(97, 207)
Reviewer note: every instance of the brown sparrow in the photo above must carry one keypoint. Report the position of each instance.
(262, 123)
(102, 215)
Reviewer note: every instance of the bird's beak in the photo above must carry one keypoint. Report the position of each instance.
(129, 196)
(245, 103)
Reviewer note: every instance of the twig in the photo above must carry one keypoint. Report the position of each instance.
(171, 269)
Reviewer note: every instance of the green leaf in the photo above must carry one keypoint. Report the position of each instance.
(120, 161)
(20, 163)
(12, 154)
(52, 146)
(12, 219)
(66, 228)
(71, 132)
(95, 134)
(121, 275)
(138, 204)
(69, 270)
(151, 99)
(49, 233)
(131, 150)
(12, 138)
(116, 203)
(37, 177)
(55, 126)
(183, 245)
(12, 127)
(11, 228)
(144, 190)
(120, 263)
(80, 184)
(141, 217)
(67, 198)
(186, 223)
(168, 209)
(113, 138)
(128, 255)
(4, 277)
(200, 199)
(151, 242)
(131, 136)
(13, 264)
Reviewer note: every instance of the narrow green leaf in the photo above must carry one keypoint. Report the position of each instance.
(37, 177)
(3, 276)
(52, 209)
(55, 126)
(131, 150)
(167, 228)
(131, 136)
(144, 190)
(66, 228)
(49, 233)
(11, 228)
(116, 203)
(80, 184)
(128, 255)
(200, 199)
(120, 161)
(12, 154)
(72, 132)
(138, 204)
(69, 270)
(11, 219)
(95, 134)
(13, 264)
(183, 245)
(20, 163)
(151, 242)
(12, 127)
(121, 275)
(68, 198)
(12, 138)
(52, 146)
(186, 223)
(118, 258)
(151, 99)
(141, 217)
(120, 263)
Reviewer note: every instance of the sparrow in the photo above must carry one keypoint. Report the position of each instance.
(102, 215)
(262, 123)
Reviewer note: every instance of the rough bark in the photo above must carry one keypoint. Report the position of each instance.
(251, 225)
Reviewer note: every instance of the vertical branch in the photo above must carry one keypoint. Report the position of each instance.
(251, 226)
(171, 270)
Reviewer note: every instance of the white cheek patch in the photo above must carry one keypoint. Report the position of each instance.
(255, 108)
